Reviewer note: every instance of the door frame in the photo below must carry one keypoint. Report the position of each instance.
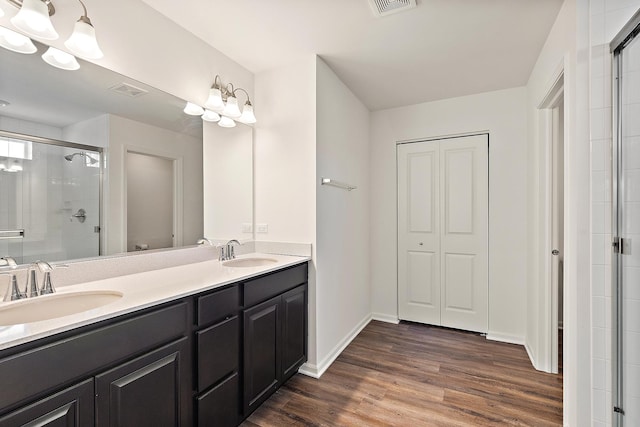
(548, 355)
(178, 178)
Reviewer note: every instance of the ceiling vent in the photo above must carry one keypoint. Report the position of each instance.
(128, 90)
(387, 7)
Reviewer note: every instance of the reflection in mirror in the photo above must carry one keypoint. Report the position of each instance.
(49, 199)
(96, 107)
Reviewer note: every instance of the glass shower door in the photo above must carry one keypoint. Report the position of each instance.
(626, 293)
(11, 225)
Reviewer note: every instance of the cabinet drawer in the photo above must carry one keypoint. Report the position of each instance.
(73, 407)
(43, 369)
(220, 406)
(265, 287)
(218, 305)
(218, 352)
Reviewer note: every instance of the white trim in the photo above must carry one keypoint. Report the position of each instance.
(178, 185)
(531, 358)
(316, 371)
(506, 338)
(387, 318)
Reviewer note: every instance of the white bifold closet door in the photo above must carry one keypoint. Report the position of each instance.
(443, 206)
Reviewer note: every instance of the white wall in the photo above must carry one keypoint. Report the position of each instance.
(125, 134)
(502, 115)
(285, 163)
(566, 47)
(343, 290)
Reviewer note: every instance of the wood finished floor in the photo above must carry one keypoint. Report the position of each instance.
(417, 375)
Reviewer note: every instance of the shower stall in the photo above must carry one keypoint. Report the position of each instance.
(50, 195)
(626, 227)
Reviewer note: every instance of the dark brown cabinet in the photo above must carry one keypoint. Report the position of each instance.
(148, 390)
(72, 407)
(218, 359)
(205, 360)
(275, 333)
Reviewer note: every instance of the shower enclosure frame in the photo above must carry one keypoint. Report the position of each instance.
(75, 146)
(617, 45)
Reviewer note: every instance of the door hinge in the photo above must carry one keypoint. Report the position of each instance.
(616, 245)
(618, 410)
(621, 246)
(96, 229)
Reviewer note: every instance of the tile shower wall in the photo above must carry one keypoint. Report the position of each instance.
(607, 19)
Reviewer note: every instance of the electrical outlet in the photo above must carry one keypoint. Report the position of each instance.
(262, 228)
(247, 227)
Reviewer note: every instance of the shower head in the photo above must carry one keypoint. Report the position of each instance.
(92, 161)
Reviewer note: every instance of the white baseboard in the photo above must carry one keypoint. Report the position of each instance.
(388, 318)
(510, 339)
(531, 358)
(316, 371)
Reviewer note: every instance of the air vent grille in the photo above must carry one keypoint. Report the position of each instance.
(387, 7)
(128, 90)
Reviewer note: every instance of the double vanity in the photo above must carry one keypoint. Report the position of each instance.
(201, 344)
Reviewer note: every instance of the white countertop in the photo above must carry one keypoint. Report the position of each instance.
(142, 290)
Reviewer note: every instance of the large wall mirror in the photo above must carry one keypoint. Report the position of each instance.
(95, 163)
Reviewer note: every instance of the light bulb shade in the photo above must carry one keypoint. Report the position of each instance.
(214, 102)
(231, 109)
(16, 42)
(193, 109)
(226, 122)
(210, 116)
(59, 59)
(247, 114)
(83, 41)
(33, 19)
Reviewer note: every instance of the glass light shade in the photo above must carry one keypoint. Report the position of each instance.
(193, 109)
(210, 116)
(226, 122)
(83, 41)
(59, 59)
(1, 13)
(33, 19)
(231, 109)
(16, 42)
(247, 114)
(214, 102)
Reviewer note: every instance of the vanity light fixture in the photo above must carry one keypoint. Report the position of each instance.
(1, 12)
(16, 42)
(33, 19)
(222, 106)
(59, 59)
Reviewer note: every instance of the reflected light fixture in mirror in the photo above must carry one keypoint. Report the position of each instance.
(222, 106)
(59, 59)
(16, 42)
(33, 19)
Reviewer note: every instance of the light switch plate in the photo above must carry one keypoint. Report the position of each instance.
(262, 228)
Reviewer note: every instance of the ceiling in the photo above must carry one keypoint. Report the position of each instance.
(440, 49)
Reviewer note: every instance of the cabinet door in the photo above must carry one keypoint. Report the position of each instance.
(262, 336)
(72, 407)
(294, 336)
(151, 390)
(219, 406)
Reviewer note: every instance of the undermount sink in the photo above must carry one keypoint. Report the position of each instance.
(54, 305)
(249, 262)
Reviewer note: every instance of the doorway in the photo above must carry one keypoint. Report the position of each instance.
(150, 201)
(553, 255)
(443, 211)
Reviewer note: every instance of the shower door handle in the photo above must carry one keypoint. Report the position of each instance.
(81, 215)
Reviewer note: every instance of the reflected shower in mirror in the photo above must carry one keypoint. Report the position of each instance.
(49, 199)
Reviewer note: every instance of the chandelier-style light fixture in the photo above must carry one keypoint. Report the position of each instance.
(34, 20)
(222, 106)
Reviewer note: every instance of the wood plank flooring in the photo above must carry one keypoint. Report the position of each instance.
(417, 375)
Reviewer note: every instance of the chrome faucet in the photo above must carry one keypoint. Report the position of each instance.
(13, 291)
(204, 241)
(8, 262)
(226, 251)
(31, 289)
